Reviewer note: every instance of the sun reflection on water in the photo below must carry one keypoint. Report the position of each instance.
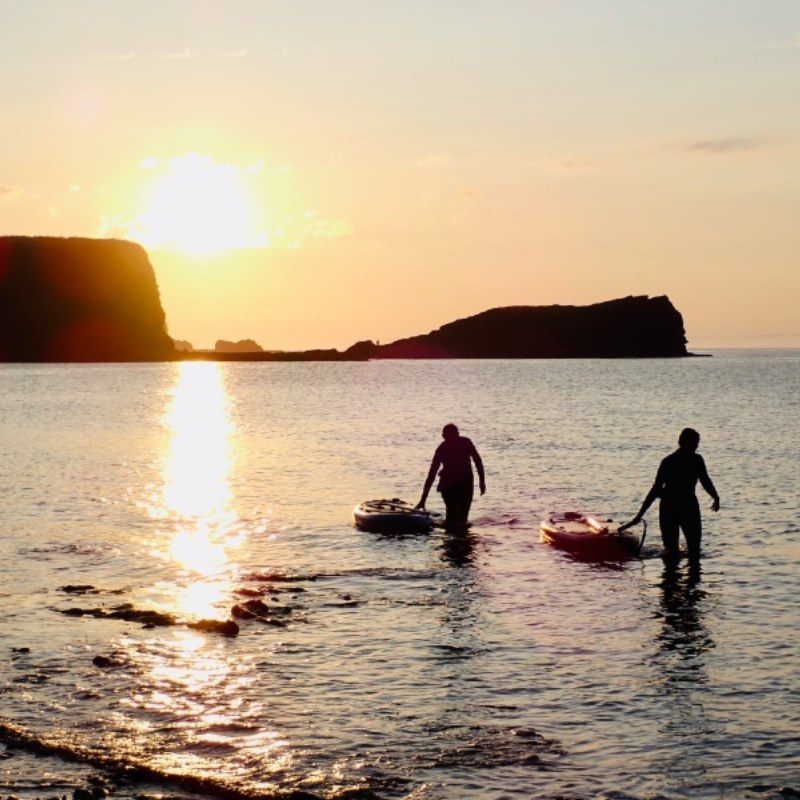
(209, 696)
(201, 598)
(199, 460)
(194, 680)
(196, 495)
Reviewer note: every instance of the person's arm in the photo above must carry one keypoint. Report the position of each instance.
(655, 491)
(706, 483)
(476, 457)
(436, 462)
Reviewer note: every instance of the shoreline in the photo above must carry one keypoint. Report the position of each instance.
(335, 356)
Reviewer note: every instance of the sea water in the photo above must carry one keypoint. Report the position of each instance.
(488, 666)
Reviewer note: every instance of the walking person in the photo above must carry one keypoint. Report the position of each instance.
(456, 482)
(675, 485)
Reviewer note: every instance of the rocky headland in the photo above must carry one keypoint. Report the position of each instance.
(79, 300)
(630, 327)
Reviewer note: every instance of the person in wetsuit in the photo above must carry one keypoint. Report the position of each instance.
(456, 483)
(675, 484)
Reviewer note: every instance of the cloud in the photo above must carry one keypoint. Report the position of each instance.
(572, 164)
(444, 159)
(293, 232)
(788, 44)
(465, 194)
(176, 56)
(258, 167)
(180, 55)
(435, 160)
(261, 166)
(10, 194)
(721, 145)
(114, 226)
(128, 56)
(581, 164)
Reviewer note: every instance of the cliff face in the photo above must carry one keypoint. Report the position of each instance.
(79, 300)
(626, 328)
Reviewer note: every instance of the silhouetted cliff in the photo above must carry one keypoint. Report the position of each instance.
(630, 327)
(79, 300)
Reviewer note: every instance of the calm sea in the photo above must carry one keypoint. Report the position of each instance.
(487, 667)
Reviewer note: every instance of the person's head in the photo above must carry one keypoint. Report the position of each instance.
(450, 431)
(689, 440)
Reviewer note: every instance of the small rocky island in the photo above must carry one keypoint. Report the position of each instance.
(97, 300)
(79, 300)
(242, 346)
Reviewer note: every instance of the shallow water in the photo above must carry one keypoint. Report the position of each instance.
(491, 666)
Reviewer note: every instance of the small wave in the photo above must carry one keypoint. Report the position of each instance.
(69, 548)
(775, 793)
(16, 736)
(451, 652)
(280, 577)
(487, 747)
(387, 573)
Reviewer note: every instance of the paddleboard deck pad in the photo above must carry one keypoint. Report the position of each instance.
(393, 516)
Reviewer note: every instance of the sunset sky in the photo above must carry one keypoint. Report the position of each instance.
(308, 174)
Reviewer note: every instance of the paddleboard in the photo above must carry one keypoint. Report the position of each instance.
(393, 516)
(589, 534)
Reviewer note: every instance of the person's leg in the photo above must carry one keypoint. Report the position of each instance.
(465, 502)
(457, 501)
(450, 504)
(670, 530)
(692, 527)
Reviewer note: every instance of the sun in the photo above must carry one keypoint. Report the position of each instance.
(197, 205)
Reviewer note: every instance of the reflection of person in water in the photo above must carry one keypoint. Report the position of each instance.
(456, 483)
(459, 551)
(683, 639)
(675, 484)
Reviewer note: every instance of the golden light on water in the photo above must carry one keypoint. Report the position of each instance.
(196, 470)
(200, 599)
(199, 550)
(211, 690)
(196, 496)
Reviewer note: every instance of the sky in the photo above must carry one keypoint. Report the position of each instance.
(311, 174)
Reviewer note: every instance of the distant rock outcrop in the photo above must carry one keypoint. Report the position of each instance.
(631, 327)
(182, 346)
(361, 351)
(242, 346)
(79, 300)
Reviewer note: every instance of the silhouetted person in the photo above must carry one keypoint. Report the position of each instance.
(675, 484)
(456, 482)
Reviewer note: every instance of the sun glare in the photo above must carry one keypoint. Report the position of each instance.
(197, 205)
